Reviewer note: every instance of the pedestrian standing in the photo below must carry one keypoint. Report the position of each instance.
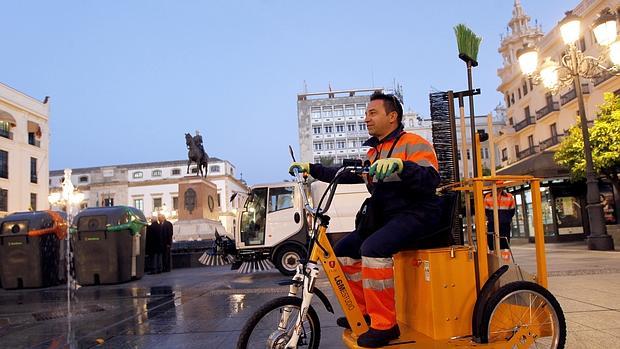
(506, 208)
(156, 249)
(166, 233)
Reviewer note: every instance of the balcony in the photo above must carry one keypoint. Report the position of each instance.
(527, 152)
(529, 120)
(546, 110)
(550, 142)
(570, 95)
(6, 134)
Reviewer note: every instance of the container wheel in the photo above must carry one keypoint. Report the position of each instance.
(524, 304)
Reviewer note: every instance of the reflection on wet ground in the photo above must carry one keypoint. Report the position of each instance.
(189, 308)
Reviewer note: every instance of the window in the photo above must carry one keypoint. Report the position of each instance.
(280, 198)
(5, 129)
(524, 87)
(83, 179)
(219, 201)
(554, 130)
(33, 170)
(504, 154)
(316, 130)
(338, 111)
(352, 144)
(4, 164)
(176, 171)
(156, 173)
(315, 112)
(349, 110)
(519, 92)
(351, 128)
(511, 121)
(318, 146)
(175, 203)
(33, 201)
(582, 43)
(530, 141)
(327, 112)
(138, 174)
(339, 128)
(517, 149)
(4, 200)
(329, 129)
(156, 204)
(526, 110)
(360, 109)
(340, 144)
(485, 153)
(531, 85)
(362, 127)
(214, 168)
(108, 202)
(32, 140)
(512, 98)
(329, 145)
(139, 204)
(507, 99)
(468, 155)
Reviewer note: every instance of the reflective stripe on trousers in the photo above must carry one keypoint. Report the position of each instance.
(352, 269)
(378, 283)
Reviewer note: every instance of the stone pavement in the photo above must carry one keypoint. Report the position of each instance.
(207, 307)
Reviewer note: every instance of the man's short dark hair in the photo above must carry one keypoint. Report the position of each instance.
(390, 103)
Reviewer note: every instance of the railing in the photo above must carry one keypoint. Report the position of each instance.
(529, 120)
(546, 110)
(570, 95)
(6, 134)
(550, 142)
(527, 152)
(599, 80)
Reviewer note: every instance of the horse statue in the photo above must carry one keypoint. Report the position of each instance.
(196, 153)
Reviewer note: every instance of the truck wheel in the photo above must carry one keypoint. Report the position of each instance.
(286, 259)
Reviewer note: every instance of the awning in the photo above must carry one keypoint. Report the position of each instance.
(540, 165)
(4, 116)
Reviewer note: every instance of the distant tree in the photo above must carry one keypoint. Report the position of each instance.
(604, 140)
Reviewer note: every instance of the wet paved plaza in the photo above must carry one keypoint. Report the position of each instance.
(207, 307)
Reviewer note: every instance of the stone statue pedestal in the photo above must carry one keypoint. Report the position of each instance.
(198, 212)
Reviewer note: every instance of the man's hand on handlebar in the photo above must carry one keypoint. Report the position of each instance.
(302, 167)
(383, 168)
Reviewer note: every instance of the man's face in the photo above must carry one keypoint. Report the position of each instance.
(161, 218)
(378, 122)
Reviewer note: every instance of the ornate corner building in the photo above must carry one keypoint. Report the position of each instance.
(536, 122)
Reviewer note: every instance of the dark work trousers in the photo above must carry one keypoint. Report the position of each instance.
(400, 232)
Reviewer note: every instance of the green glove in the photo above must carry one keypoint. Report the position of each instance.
(383, 168)
(302, 167)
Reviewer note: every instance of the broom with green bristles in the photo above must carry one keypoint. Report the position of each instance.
(468, 44)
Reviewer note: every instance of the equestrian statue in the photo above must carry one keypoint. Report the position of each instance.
(196, 153)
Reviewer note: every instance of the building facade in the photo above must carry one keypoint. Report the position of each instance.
(153, 187)
(536, 122)
(331, 125)
(24, 148)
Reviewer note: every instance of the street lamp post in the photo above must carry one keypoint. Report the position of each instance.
(575, 65)
(68, 197)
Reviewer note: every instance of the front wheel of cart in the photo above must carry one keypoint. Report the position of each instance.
(524, 304)
(272, 324)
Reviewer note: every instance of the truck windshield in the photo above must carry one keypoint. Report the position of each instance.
(253, 218)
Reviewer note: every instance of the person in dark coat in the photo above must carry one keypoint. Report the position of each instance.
(154, 246)
(166, 235)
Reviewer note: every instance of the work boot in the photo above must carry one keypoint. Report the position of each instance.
(378, 338)
(343, 322)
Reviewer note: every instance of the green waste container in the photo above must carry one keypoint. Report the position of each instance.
(108, 245)
(32, 249)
